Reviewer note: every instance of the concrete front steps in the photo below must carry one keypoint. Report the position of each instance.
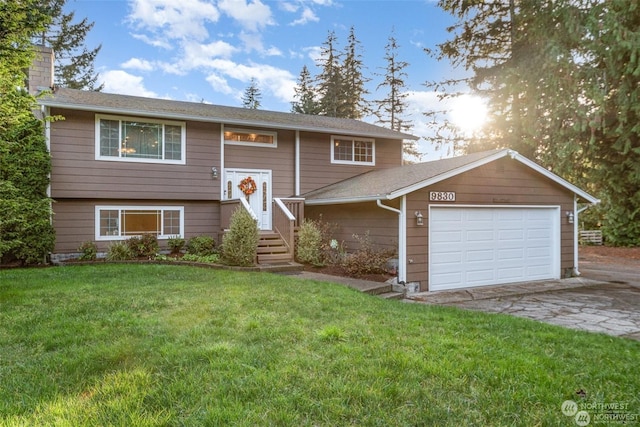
(272, 250)
(383, 290)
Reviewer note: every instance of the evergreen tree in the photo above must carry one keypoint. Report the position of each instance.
(252, 96)
(329, 82)
(391, 108)
(74, 62)
(354, 105)
(26, 233)
(305, 94)
(562, 82)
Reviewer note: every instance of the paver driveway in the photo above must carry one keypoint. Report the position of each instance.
(605, 299)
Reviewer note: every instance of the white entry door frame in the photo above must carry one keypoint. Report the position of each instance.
(260, 200)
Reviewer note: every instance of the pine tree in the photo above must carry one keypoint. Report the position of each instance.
(329, 82)
(305, 94)
(252, 96)
(354, 105)
(74, 62)
(26, 233)
(391, 108)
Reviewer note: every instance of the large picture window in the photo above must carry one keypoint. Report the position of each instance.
(250, 137)
(139, 140)
(348, 150)
(122, 222)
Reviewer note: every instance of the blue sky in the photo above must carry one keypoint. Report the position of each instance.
(209, 50)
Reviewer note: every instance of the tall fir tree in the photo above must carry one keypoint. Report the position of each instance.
(305, 96)
(26, 233)
(74, 61)
(329, 82)
(354, 105)
(252, 96)
(561, 79)
(390, 109)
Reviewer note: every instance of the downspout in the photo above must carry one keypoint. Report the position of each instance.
(222, 177)
(402, 237)
(297, 164)
(577, 212)
(47, 136)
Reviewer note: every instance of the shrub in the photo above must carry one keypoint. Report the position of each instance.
(367, 259)
(240, 243)
(119, 251)
(309, 249)
(201, 246)
(143, 246)
(208, 259)
(88, 251)
(176, 244)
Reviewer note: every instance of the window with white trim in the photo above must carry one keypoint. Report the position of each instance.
(140, 140)
(353, 151)
(122, 222)
(259, 138)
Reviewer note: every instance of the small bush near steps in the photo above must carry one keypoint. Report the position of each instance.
(240, 243)
(201, 246)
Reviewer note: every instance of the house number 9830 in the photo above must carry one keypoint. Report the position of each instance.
(442, 196)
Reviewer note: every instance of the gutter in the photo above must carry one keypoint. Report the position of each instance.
(402, 237)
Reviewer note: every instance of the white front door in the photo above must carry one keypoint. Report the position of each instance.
(259, 200)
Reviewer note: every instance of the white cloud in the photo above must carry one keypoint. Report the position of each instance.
(253, 15)
(121, 82)
(219, 84)
(184, 19)
(156, 42)
(307, 16)
(138, 64)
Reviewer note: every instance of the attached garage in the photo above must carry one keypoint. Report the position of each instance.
(486, 218)
(488, 245)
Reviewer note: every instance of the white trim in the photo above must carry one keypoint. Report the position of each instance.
(274, 134)
(50, 102)
(120, 119)
(402, 236)
(297, 164)
(556, 232)
(353, 141)
(120, 208)
(221, 177)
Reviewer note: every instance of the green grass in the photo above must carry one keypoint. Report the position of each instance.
(146, 345)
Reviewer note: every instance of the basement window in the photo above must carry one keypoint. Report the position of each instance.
(122, 222)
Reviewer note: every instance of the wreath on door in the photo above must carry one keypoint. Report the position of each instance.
(248, 186)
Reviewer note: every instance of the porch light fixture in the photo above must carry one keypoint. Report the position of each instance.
(419, 218)
(214, 172)
(570, 217)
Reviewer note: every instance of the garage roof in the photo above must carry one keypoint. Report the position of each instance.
(395, 182)
(163, 108)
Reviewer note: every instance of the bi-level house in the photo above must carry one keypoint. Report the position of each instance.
(125, 165)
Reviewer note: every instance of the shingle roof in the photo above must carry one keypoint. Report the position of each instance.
(395, 182)
(152, 107)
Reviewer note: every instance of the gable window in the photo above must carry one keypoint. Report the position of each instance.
(121, 222)
(348, 150)
(250, 137)
(139, 140)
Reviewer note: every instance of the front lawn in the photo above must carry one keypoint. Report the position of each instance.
(138, 345)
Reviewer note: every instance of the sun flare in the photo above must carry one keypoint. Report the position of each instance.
(468, 113)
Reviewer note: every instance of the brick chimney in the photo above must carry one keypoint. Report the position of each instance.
(41, 72)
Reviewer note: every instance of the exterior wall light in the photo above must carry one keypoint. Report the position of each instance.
(214, 172)
(570, 217)
(419, 218)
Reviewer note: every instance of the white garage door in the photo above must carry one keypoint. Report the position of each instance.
(477, 246)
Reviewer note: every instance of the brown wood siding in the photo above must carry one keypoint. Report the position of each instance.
(358, 218)
(76, 173)
(280, 160)
(315, 161)
(74, 220)
(500, 183)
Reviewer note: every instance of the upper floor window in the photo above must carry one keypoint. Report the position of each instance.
(250, 137)
(140, 140)
(349, 150)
